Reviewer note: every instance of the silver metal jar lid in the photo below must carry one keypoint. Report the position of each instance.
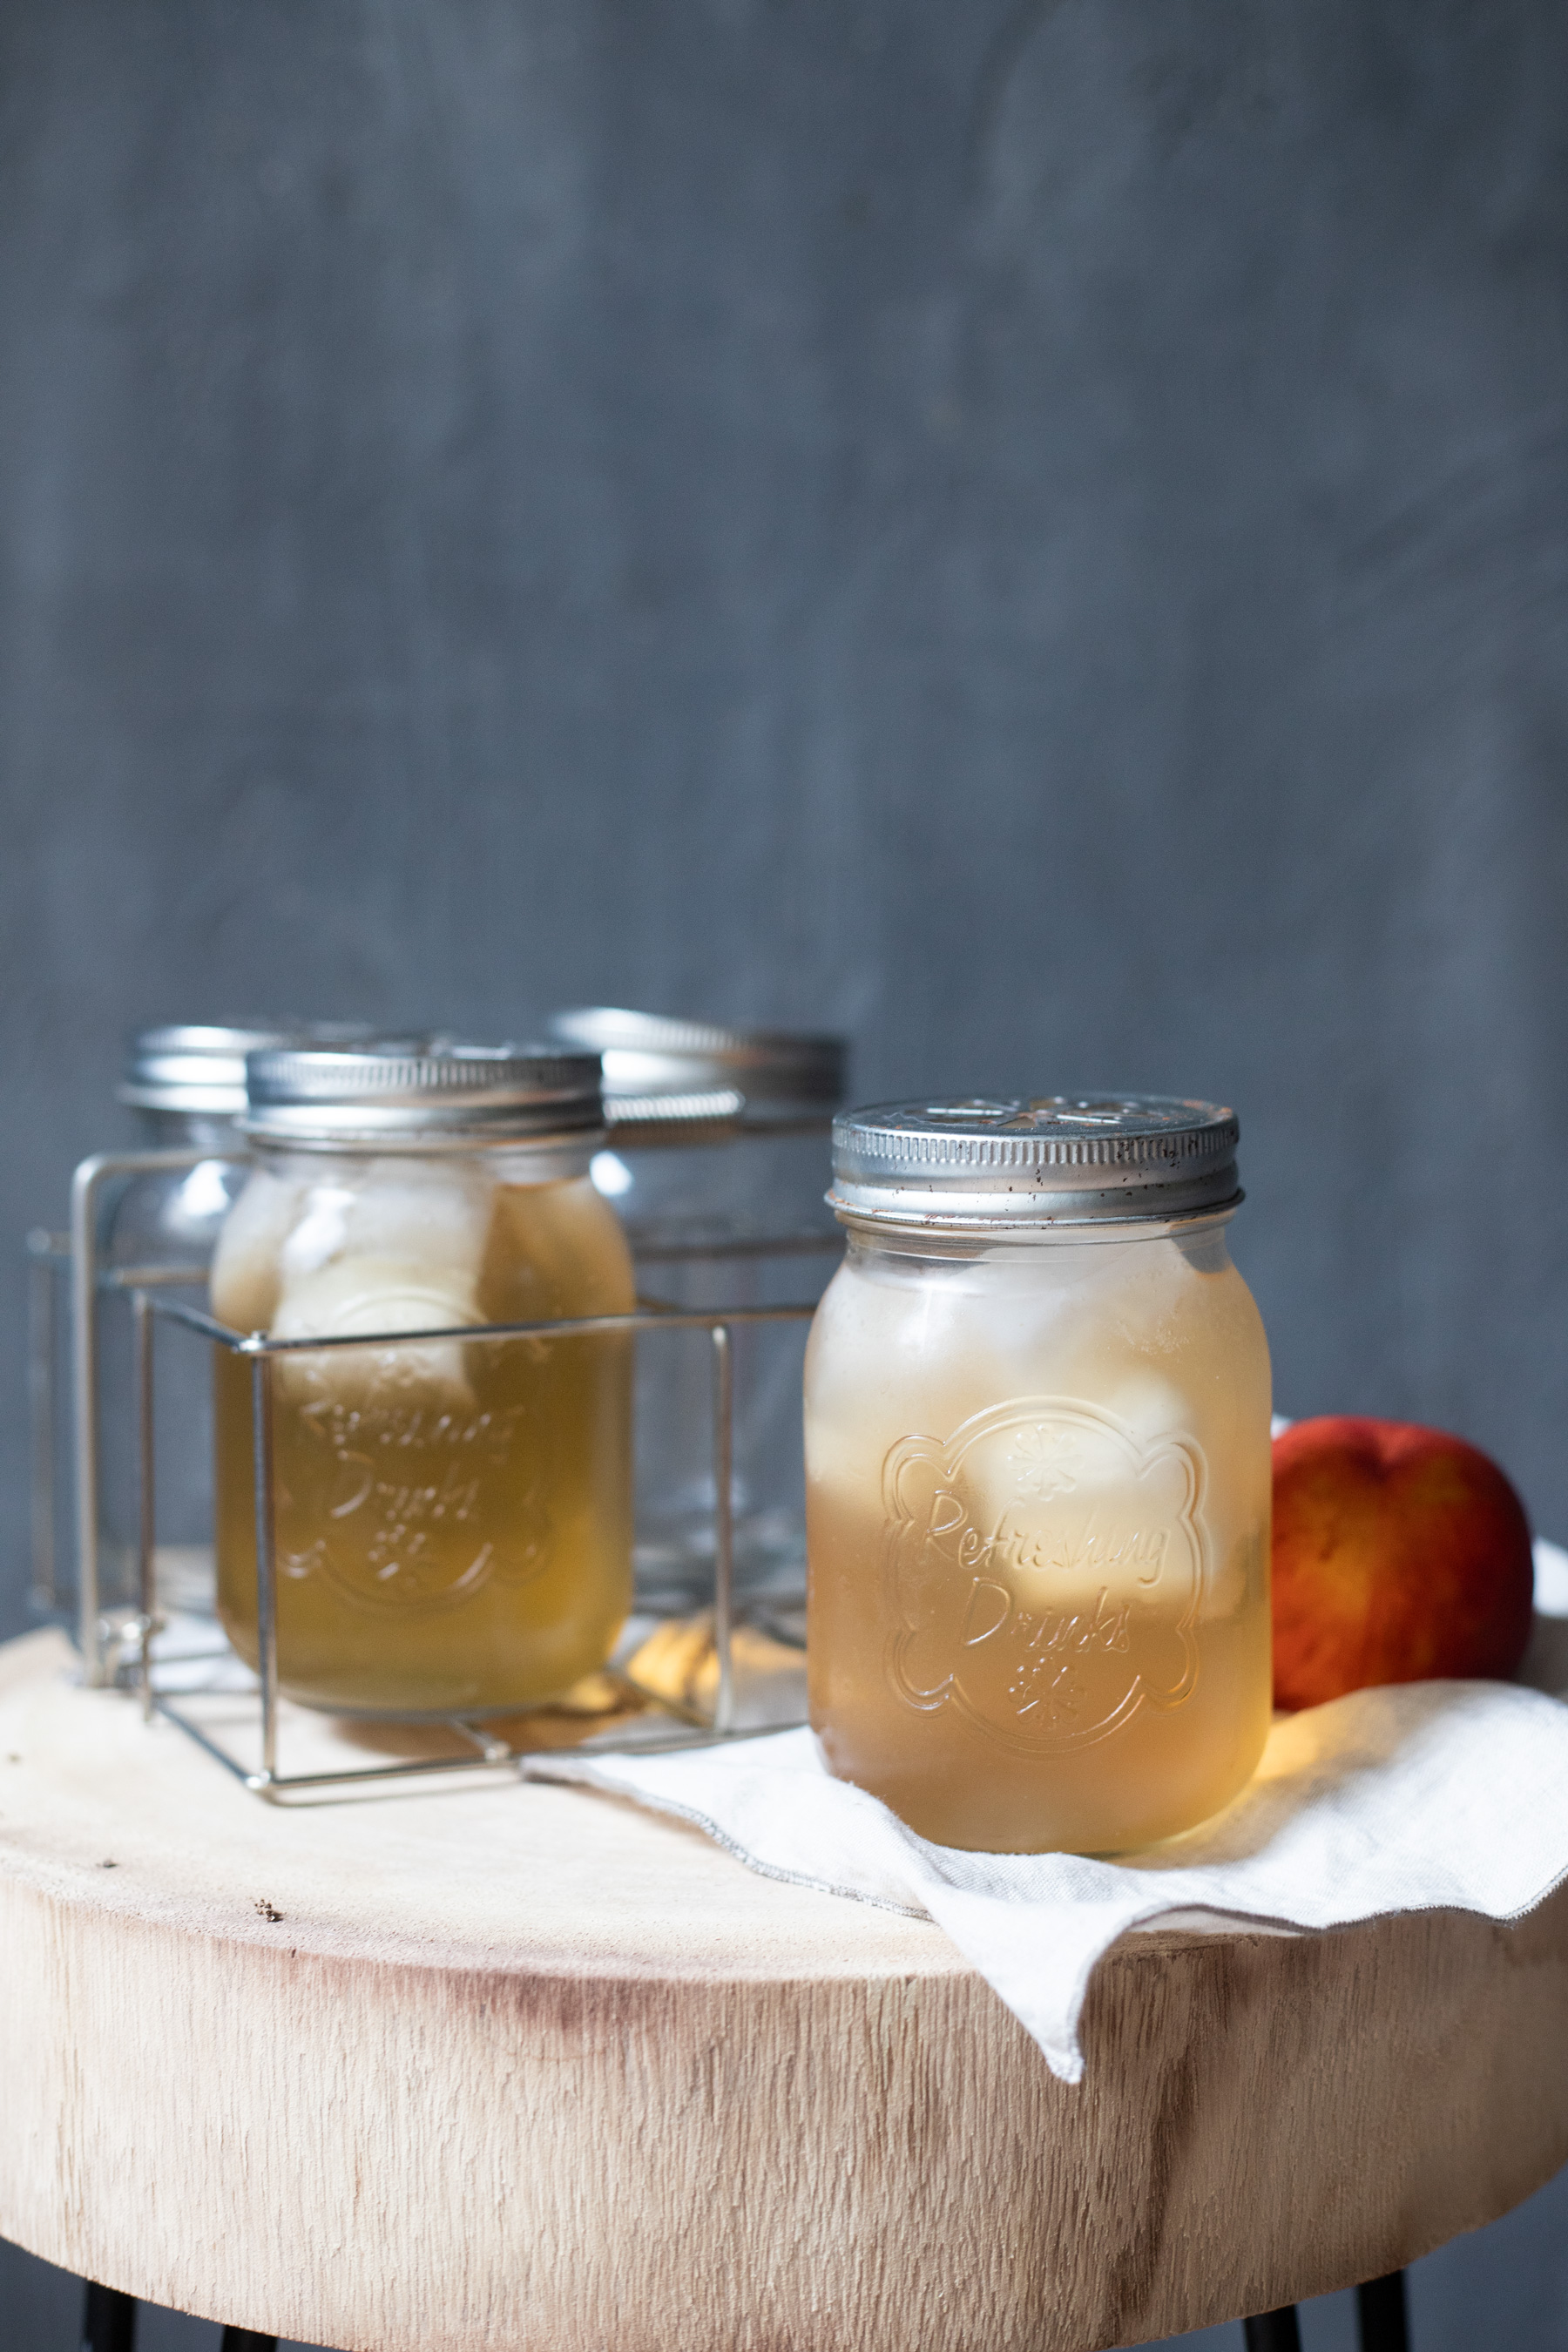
(438, 1095)
(198, 1067)
(1049, 1160)
(659, 1070)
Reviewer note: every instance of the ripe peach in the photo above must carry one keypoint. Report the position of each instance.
(1400, 1554)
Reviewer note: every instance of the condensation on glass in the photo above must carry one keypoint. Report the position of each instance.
(1038, 1473)
(452, 1516)
(717, 1161)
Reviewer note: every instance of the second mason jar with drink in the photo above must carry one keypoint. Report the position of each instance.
(1038, 1473)
(451, 1505)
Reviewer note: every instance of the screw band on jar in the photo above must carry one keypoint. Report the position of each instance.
(197, 1068)
(453, 1096)
(1015, 1161)
(665, 1078)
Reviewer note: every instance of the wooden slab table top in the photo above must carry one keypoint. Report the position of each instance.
(509, 2068)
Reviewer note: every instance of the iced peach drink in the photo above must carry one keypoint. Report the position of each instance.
(452, 1514)
(1037, 1463)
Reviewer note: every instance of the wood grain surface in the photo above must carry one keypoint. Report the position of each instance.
(518, 2069)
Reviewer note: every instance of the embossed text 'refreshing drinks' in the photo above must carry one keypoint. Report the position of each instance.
(1038, 1474)
(452, 1516)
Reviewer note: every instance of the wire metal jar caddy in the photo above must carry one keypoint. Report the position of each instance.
(302, 1366)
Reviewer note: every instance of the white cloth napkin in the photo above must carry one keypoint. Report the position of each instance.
(1424, 1796)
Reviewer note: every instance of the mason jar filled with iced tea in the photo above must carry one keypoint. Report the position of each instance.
(451, 1514)
(1038, 1473)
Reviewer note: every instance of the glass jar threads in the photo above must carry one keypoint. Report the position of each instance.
(452, 1516)
(717, 1159)
(1038, 1473)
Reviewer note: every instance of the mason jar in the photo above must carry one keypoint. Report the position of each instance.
(718, 1159)
(1038, 1473)
(451, 1515)
(184, 1082)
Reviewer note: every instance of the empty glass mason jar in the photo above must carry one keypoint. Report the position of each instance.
(452, 1514)
(1038, 1473)
(185, 1084)
(718, 1161)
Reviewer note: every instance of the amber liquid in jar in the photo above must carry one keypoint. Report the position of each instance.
(452, 1517)
(1038, 1487)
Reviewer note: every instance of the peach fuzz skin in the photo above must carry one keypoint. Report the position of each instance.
(1400, 1555)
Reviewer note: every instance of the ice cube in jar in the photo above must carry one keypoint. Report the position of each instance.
(1038, 1474)
(452, 1516)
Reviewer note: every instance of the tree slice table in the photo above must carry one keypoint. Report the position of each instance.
(507, 2068)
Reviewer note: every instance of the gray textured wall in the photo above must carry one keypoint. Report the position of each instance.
(1033, 531)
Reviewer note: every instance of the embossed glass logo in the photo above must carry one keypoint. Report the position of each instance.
(411, 1512)
(1045, 1571)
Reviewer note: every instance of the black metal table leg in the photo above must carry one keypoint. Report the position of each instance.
(1380, 2308)
(1274, 2331)
(107, 2320)
(246, 2339)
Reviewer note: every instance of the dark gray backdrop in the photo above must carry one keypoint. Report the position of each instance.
(1032, 530)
